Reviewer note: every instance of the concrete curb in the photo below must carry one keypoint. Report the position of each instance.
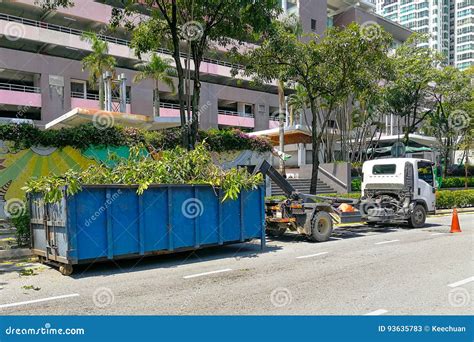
(450, 211)
(15, 253)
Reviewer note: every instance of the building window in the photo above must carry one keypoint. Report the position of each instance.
(78, 88)
(313, 25)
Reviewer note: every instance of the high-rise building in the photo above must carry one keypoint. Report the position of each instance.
(41, 74)
(449, 24)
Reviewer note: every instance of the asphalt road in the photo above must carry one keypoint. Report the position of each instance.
(362, 270)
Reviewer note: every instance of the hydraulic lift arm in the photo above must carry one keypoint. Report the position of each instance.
(268, 170)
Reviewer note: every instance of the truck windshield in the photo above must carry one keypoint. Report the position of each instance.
(384, 169)
(425, 172)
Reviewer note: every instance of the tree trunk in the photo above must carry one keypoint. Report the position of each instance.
(156, 102)
(101, 92)
(281, 125)
(315, 151)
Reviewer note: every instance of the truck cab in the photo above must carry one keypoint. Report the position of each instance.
(398, 189)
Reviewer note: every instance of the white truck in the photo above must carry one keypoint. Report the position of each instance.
(397, 189)
(393, 190)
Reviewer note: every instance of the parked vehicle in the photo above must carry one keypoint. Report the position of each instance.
(109, 222)
(397, 189)
(393, 190)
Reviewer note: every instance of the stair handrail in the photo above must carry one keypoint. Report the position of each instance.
(332, 177)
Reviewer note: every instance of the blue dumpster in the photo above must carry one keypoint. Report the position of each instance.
(112, 221)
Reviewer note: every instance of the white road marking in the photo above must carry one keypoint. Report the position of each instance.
(376, 312)
(461, 282)
(384, 242)
(311, 255)
(207, 273)
(434, 234)
(336, 238)
(38, 300)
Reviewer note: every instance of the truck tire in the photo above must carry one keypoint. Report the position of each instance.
(276, 229)
(417, 217)
(321, 227)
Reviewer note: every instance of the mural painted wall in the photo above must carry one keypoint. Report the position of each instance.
(17, 166)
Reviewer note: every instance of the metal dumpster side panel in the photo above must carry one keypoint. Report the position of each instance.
(90, 228)
(114, 222)
(38, 234)
(252, 213)
(154, 215)
(124, 220)
(207, 223)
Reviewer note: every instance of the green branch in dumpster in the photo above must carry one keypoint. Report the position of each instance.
(176, 166)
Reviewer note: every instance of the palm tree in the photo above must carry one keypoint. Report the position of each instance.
(298, 102)
(97, 62)
(159, 70)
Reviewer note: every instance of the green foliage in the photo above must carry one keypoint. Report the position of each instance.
(447, 199)
(356, 184)
(24, 136)
(176, 166)
(99, 60)
(22, 224)
(457, 182)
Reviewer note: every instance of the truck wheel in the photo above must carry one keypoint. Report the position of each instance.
(275, 229)
(321, 227)
(418, 217)
(66, 269)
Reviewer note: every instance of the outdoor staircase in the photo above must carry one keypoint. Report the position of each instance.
(302, 185)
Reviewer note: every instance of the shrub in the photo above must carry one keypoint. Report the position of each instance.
(457, 182)
(24, 136)
(22, 224)
(458, 170)
(356, 184)
(447, 199)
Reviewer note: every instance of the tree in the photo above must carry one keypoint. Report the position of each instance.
(97, 62)
(328, 69)
(298, 102)
(200, 24)
(408, 90)
(159, 70)
(450, 120)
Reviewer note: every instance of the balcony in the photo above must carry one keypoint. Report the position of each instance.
(20, 95)
(235, 119)
(109, 39)
(169, 110)
(78, 100)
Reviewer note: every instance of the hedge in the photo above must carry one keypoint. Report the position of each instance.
(457, 182)
(445, 199)
(450, 182)
(23, 136)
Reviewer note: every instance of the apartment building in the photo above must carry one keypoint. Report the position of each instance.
(41, 76)
(450, 24)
